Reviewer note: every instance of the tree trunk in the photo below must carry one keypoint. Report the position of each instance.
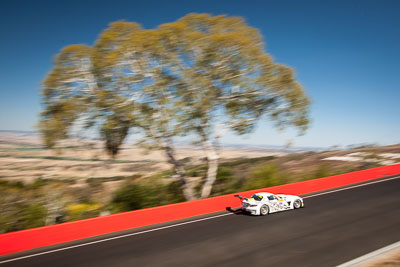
(212, 160)
(187, 189)
(54, 207)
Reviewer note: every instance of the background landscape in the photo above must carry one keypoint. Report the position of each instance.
(78, 180)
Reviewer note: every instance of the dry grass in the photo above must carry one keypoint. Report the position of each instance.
(22, 158)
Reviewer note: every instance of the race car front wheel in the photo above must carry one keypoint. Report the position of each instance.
(297, 204)
(264, 210)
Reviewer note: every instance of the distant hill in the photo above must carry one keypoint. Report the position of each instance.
(272, 148)
(18, 132)
(10, 134)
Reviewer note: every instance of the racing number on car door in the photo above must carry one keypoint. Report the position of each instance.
(279, 203)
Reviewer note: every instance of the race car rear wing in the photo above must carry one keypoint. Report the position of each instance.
(241, 197)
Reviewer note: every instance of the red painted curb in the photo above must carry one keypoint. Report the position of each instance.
(70, 231)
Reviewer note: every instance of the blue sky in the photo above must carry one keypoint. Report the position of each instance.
(346, 55)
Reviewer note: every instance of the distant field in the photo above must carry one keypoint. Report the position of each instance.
(23, 158)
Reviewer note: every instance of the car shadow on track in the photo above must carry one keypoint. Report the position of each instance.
(238, 211)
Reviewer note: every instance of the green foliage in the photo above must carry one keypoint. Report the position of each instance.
(323, 171)
(39, 182)
(99, 180)
(133, 196)
(369, 165)
(172, 193)
(264, 176)
(10, 184)
(197, 170)
(225, 182)
(21, 216)
(223, 173)
(247, 161)
(163, 174)
(57, 119)
(230, 177)
(35, 215)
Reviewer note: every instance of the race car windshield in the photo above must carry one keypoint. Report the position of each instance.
(257, 197)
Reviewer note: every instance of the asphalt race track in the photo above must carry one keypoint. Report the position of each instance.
(332, 229)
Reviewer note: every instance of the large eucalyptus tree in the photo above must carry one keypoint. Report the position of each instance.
(201, 75)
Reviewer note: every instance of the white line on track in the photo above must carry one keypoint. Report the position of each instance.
(177, 224)
(369, 256)
(116, 237)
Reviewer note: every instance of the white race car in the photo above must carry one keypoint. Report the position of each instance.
(264, 203)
